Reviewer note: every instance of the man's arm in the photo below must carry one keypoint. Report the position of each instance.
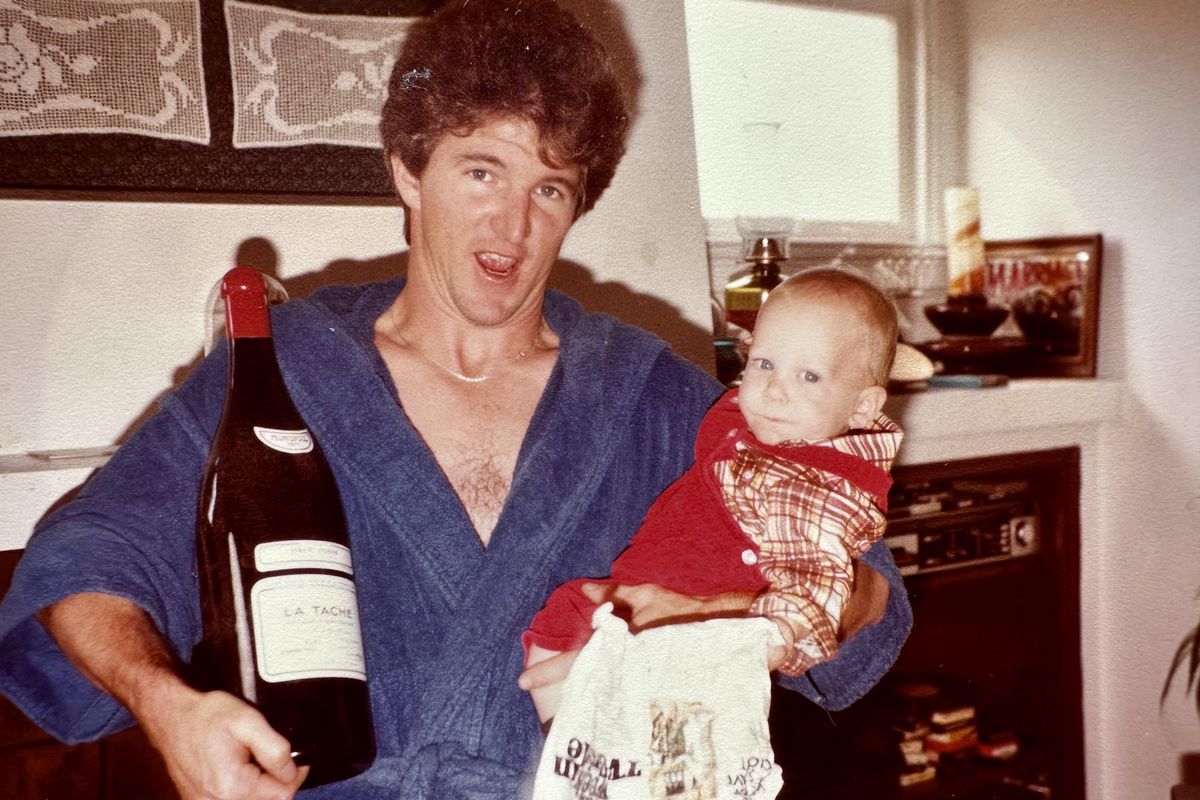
(865, 655)
(867, 603)
(648, 605)
(215, 746)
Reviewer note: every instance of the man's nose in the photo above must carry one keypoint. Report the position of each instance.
(512, 220)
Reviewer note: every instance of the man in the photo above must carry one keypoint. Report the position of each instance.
(489, 440)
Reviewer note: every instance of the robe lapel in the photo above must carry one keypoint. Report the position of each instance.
(568, 451)
(371, 442)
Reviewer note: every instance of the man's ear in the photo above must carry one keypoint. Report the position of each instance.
(868, 406)
(408, 186)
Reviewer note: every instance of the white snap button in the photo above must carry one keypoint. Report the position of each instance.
(749, 557)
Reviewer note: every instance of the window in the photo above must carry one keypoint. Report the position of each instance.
(814, 110)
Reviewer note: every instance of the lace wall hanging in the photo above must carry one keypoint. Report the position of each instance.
(308, 78)
(174, 97)
(74, 66)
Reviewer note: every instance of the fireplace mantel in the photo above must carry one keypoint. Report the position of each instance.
(1025, 414)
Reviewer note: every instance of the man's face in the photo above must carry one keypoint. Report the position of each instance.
(487, 219)
(806, 375)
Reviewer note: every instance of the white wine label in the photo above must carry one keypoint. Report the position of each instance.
(302, 554)
(306, 626)
(300, 441)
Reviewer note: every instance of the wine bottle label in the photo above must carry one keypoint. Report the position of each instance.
(302, 554)
(306, 626)
(300, 441)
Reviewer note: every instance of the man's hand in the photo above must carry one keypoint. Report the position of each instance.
(215, 746)
(543, 678)
(647, 605)
(867, 602)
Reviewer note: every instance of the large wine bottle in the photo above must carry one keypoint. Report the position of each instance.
(277, 595)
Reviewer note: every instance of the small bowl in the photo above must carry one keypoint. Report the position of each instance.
(966, 315)
(1043, 315)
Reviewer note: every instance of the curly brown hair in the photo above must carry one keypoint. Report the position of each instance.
(477, 59)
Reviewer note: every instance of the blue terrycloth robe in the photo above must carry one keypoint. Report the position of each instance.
(442, 616)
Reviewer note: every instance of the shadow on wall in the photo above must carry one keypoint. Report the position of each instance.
(1189, 776)
(647, 311)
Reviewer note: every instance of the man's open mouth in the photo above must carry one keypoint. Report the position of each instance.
(496, 265)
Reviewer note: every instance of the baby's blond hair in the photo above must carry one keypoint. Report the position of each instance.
(875, 311)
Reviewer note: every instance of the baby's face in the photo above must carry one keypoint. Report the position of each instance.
(806, 375)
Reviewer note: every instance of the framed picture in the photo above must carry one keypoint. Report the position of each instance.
(188, 99)
(1052, 289)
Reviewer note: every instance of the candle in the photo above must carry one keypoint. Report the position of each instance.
(964, 246)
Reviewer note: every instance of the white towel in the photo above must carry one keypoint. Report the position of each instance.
(675, 712)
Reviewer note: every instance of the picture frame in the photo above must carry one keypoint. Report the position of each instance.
(1051, 287)
(201, 164)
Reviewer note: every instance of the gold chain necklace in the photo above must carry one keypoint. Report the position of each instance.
(453, 373)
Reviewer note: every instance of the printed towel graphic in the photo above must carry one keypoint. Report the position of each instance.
(673, 713)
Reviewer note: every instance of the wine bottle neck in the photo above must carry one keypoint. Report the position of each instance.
(246, 314)
(253, 369)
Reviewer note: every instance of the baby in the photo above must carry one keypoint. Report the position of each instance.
(789, 484)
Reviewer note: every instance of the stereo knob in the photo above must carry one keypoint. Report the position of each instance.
(1023, 532)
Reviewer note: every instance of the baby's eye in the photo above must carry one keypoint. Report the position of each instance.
(811, 377)
(763, 363)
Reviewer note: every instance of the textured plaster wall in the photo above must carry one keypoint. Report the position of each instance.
(104, 301)
(1083, 117)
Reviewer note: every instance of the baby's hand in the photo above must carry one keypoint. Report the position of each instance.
(777, 653)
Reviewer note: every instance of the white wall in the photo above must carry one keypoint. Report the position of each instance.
(1083, 117)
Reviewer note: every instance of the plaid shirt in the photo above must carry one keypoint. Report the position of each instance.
(808, 523)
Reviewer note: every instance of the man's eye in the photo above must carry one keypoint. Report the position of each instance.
(811, 377)
(550, 192)
(480, 174)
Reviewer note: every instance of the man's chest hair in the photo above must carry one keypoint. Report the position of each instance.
(478, 454)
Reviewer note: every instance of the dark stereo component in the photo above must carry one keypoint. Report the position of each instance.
(935, 526)
(964, 539)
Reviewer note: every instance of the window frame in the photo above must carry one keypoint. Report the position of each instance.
(930, 133)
